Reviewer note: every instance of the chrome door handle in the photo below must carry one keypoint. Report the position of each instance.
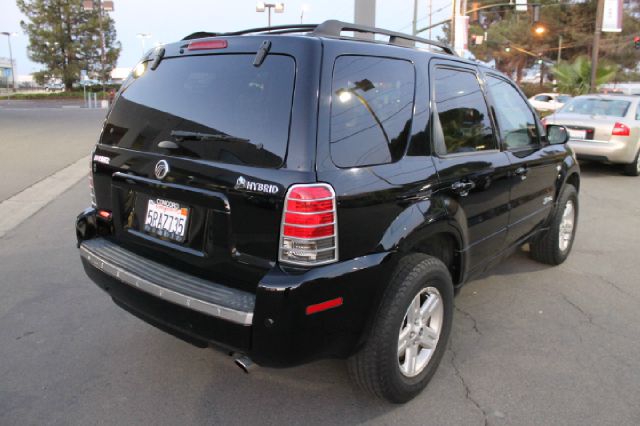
(462, 188)
(522, 172)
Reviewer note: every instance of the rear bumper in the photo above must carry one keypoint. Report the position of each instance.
(614, 151)
(272, 326)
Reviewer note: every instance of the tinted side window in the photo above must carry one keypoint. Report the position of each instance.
(638, 112)
(514, 118)
(463, 123)
(543, 98)
(371, 110)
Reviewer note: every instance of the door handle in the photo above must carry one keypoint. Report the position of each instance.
(462, 188)
(522, 172)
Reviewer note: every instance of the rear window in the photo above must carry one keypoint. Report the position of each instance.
(595, 106)
(217, 107)
(371, 110)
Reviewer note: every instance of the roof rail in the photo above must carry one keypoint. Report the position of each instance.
(277, 29)
(334, 28)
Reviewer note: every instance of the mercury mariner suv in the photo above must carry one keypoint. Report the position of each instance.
(297, 193)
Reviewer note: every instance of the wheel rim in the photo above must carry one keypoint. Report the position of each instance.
(420, 331)
(638, 163)
(566, 226)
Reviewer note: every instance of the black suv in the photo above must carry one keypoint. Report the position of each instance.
(295, 193)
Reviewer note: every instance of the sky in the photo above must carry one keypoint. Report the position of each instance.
(171, 20)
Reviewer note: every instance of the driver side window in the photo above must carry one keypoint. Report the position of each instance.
(515, 120)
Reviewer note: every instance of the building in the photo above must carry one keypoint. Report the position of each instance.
(6, 73)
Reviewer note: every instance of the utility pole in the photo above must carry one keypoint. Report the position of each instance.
(596, 45)
(559, 49)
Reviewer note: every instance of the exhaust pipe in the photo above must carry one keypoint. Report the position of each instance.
(244, 362)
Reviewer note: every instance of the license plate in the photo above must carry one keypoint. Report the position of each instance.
(577, 134)
(166, 219)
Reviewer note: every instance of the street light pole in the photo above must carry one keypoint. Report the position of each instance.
(142, 37)
(13, 71)
(279, 8)
(103, 6)
(414, 23)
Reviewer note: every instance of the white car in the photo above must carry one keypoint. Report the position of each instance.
(549, 101)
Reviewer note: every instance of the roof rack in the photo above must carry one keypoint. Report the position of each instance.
(332, 28)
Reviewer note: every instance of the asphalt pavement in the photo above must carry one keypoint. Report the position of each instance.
(531, 344)
(39, 138)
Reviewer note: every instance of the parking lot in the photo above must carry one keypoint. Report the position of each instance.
(531, 344)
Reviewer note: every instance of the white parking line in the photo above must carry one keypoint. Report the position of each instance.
(18, 208)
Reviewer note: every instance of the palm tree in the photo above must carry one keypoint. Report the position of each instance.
(574, 78)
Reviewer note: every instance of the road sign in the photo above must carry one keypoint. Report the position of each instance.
(612, 16)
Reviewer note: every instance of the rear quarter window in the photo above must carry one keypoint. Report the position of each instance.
(371, 110)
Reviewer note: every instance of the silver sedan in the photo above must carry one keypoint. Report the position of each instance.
(603, 128)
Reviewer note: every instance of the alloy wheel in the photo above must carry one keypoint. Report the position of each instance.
(566, 226)
(420, 331)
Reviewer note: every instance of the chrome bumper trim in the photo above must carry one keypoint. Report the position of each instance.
(228, 314)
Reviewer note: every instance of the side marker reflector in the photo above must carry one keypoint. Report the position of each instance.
(104, 214)
(319, 307)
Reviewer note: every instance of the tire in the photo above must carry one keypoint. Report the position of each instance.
(633, 169)
(547, 247)
(376, 368)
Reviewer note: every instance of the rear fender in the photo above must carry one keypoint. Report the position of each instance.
(424, 219)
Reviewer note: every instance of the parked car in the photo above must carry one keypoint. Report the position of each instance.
(549, 101)
(87, 83)
(300, 195)
(54, 87)
(603, 128)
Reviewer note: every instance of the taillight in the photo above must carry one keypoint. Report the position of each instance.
(91, 189)
(309, 232)
(620, 129)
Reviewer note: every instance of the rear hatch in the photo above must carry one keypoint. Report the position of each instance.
(192, 160)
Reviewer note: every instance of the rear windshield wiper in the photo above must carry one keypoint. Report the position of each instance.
(181, 135)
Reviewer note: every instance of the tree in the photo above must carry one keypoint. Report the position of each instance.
(574, 78)
(514, 46)
(66, 38)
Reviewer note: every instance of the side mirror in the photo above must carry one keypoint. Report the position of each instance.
(557, 135)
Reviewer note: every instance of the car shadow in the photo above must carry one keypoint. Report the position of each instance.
(517, 263)
(596, 169)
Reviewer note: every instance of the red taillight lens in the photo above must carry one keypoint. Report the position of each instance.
(312, 232)
(308, 219)
(305, 207)
(309, 228)
(207, 44)
(620, 129)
